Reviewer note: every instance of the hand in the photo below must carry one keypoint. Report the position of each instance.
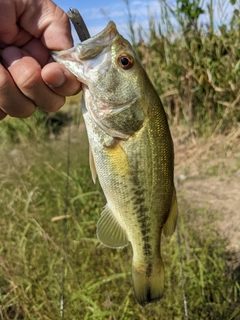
(29, 29)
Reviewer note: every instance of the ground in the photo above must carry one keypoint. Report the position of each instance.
(207, 173)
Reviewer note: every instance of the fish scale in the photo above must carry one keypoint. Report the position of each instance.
(131, 152)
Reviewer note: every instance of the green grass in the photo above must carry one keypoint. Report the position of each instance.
(41, 124)
(19, 130)
(98, 281)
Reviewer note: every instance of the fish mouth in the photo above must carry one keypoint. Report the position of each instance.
(107, 34)
(88, 54)
(91, 47)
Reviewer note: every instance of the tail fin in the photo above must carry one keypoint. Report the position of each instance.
(148, 282)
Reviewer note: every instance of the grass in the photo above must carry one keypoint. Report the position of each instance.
(98, 281)
(19, 130)
(41, 124)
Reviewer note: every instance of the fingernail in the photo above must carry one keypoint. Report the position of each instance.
(11, 55)
(59, 79)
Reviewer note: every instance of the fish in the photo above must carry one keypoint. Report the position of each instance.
(131, 153)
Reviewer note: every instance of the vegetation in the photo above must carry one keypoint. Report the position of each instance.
(97, 280)
(194, 65)
(41, 124)
(43, 255)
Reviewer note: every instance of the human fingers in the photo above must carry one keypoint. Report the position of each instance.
(60, 80)
(12, 101)
(26, 73)
(10, 29)
(47, 22)
(38, 51)
(23, 19)
(2, 114)
(55, 75)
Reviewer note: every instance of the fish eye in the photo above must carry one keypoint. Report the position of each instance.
(125, 61)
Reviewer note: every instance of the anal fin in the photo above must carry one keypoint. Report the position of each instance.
(109, 231)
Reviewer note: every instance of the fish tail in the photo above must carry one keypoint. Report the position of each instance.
(148, 282)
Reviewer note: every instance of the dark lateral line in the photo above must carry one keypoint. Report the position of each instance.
(139, 206)
(79, 24)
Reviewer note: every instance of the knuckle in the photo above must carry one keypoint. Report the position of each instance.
(28, 112)
(2, 114)
(54, 106)
(12, 101)
(30, 78)
(23, 113)
(4, 80)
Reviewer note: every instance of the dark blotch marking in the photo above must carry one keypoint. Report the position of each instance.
(139, 193)
(149, 270)
(141, 209)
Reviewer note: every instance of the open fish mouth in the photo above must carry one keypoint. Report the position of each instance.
(91, 47)
(90, 54)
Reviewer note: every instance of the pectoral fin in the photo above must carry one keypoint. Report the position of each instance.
(92, 165)
(109, 232)
(170, 224)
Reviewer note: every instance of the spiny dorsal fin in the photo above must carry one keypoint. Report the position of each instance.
(170, 224)
(109, 232)
(92, 165)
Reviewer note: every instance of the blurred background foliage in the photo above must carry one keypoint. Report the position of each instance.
(193, 64)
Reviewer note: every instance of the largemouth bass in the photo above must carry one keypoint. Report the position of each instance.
(131, 152)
